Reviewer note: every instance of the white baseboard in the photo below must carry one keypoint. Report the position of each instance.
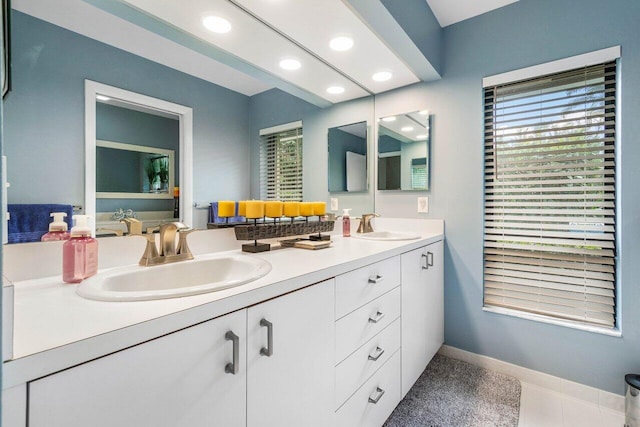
(605, 399)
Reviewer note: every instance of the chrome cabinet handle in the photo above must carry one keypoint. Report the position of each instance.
(233, 367)
(376, 317)
(375, 397)
(425, 266)
(376, 354)
(268, 351)
(430, 259)
(376, 279)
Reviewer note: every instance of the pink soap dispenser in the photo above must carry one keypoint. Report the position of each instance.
(57, 228)
(346, 223)
(80, 252)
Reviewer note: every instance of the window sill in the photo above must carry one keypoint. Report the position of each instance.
(558, 322)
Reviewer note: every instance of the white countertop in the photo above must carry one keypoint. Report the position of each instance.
(54, 328)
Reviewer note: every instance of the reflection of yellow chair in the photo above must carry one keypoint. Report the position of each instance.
(133, 226)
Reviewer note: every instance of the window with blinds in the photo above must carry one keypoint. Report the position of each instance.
(281, 165)
(550, 199)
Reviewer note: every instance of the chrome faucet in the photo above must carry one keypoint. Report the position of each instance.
(365, 223)
(168, 252)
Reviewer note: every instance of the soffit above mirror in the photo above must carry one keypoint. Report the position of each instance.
(246, 59)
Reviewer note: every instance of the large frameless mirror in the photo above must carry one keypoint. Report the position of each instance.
(403, 151)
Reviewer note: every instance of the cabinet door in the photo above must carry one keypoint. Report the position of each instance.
(422, 310)
(176, 380)
(290, 378)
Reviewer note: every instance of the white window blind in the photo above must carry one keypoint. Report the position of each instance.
(281, 165)
(550, 200)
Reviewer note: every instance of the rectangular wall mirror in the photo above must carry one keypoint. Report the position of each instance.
(347, 147)
(126, 171)
(403, 151)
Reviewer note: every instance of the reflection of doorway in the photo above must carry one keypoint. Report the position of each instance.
(389, 173)
(356, 171)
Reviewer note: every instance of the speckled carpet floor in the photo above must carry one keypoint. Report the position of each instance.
(452, 393)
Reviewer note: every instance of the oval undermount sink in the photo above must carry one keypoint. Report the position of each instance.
(386, 235)
(197, 276)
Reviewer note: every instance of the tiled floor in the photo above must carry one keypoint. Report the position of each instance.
(540, 407)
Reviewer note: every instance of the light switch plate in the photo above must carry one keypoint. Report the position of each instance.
(334, 203)
(423, 205)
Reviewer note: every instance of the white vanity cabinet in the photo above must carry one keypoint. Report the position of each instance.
(290, 359)
(368, 344)
(180, 379)
(282, 373)
(422, 310)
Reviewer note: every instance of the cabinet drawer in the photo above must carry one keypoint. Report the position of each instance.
(358, 287)
(363, 324)
(360, 410)
(364, 362)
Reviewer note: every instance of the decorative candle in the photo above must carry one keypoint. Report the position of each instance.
(255, 209)
(291, 209)
(273, 209)
(306, 208)
(226, 208)
(242, 208)
(319, 208)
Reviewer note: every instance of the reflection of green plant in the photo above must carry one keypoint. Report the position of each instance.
(163, 171)
(150, 169)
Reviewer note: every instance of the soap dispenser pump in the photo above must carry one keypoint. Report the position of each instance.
(80, 252)
(346, 223)
(57, 228)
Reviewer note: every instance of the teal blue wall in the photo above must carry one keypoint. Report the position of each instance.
(44, 115)
(523, 34)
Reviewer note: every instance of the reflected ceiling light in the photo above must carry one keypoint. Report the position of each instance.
(406, 129)
(424, 112)
(335, 90)
(421, 136)
(290, 64)
(341, 43)
(102, 98)
(389, 119)
(382, 76)
(216, 24)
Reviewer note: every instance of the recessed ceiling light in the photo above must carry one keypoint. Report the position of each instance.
(102, 98)
(421, 136)
(290, 64)
(341, 43)
(389, 119)
(335, 90)
(407, 129)
(382, 76)
(424, 112)
(216, 24)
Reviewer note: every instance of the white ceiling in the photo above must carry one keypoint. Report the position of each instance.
(451, 11)
(264, 32)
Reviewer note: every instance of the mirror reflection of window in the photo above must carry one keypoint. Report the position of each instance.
(403, 151)
(281, 162)
(347, 147)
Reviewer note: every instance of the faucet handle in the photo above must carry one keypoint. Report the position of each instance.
(183, 247)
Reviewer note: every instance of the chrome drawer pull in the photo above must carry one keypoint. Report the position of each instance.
(430, 259)
(376, 354)
(233, 367)
(425, 266)
(376, 317)
(375, 397)
(268, 351)
(376, 279)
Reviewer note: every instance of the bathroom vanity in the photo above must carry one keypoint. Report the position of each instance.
(328, 337)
